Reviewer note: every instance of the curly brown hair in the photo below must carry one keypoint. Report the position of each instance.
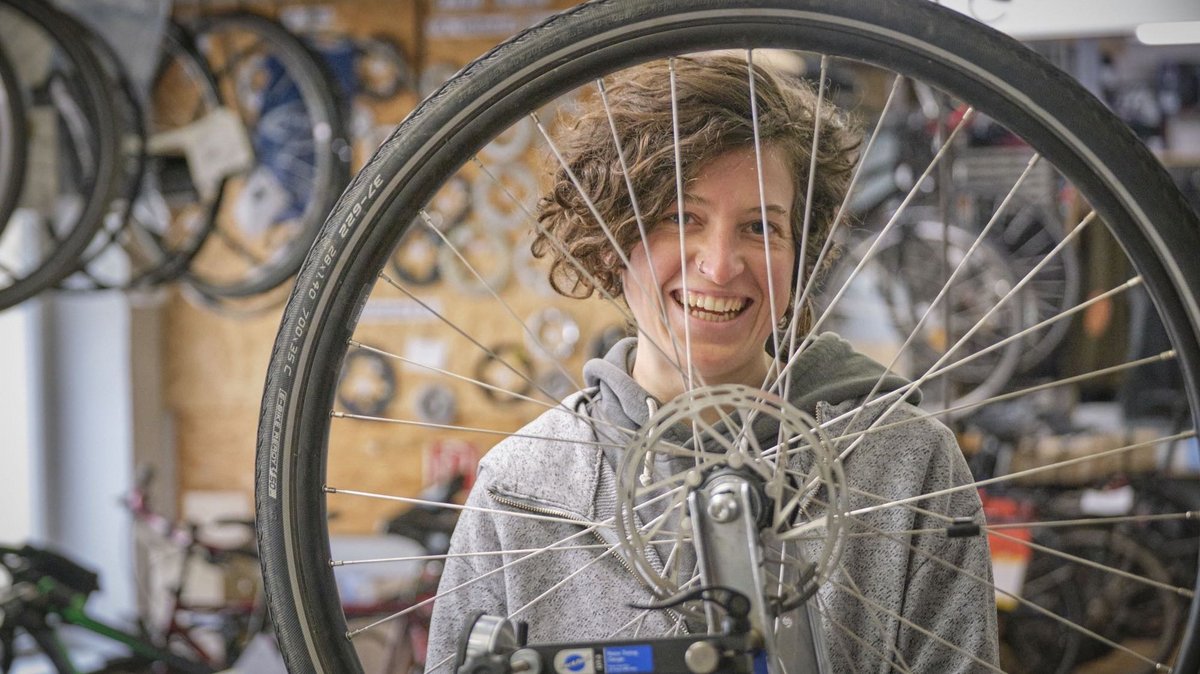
(713, 100)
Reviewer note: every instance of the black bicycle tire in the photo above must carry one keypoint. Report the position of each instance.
(1127, 549)
(318, 88)
(178, 40)
(1094, 148)
(133, 162)
(13, 147)
(381, 43)
(1067, 605)
(65, 258)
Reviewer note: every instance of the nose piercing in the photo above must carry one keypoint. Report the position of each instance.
(700, 266)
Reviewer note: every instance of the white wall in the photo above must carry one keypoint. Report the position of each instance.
(21, 438)
(88, 453)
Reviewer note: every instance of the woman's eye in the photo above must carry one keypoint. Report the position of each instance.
(759, 228)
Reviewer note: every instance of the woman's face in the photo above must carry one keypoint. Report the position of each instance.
(735, 267)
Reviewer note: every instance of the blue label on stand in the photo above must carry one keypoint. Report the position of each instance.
(638, 659)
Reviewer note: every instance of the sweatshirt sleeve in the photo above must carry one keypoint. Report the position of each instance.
(949, 585)
(468, 584)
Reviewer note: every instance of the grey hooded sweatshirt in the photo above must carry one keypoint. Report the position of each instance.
(893, 589)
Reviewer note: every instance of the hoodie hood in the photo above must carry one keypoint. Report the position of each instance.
(829, 371)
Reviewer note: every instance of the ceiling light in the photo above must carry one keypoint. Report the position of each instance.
(1169, 32)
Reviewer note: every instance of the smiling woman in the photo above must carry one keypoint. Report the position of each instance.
(696, 215)
(742, 232)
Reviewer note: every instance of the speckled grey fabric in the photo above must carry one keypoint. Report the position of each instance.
(890, 590)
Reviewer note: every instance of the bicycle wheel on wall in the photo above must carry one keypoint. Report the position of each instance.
(12, 144)
(104, 263)
(294, 131)
(313, 457)
(179, 206)
(72, 158)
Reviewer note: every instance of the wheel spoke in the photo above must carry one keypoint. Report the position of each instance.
(463, 333)
(530, 334)
(878, 427)
(1076, 559)
(581, 270)
(895, 651)
(794, 354)
(498, 389)
(690, 380)
(1021, 600)
(470, 429)
(641, 224)
(868, 602)
(945, 289)
(814, 152)
(996, 530)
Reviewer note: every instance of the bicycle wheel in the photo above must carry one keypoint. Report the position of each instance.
(168, 204)
(309, 450)
(104, 263)
(1033, 643)
(75, 154)
(177, 209)
(12, 144)
(273, 204)
(1150, 616)
(904, 254)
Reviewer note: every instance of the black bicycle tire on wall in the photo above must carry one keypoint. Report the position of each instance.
(64, 259)
(12, 139)
(178, 42)
(132, 161)
(1123, 182)
(318, 90)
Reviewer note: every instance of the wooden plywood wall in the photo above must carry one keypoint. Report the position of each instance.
(216, 363)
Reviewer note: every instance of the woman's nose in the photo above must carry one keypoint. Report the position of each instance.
(717, 255)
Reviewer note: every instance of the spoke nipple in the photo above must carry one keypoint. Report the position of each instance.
(774, 489)
(329, 490)
(737, 460)
(693, 478)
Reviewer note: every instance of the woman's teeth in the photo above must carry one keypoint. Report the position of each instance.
(709, 308)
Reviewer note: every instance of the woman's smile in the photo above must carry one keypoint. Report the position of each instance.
(711, 308)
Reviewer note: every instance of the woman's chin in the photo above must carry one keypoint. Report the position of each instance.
(729, 366)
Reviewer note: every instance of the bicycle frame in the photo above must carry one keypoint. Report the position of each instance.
(47, 584)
